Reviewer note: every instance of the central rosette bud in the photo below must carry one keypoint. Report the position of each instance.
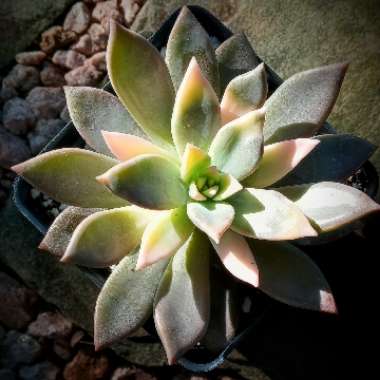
(207, 185)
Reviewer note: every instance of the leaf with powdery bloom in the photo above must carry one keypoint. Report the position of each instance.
(104, 238)
(244, 93)
(164, 236)
(59, 234)
(182, 302)
(93, 110)
(196, 113)
(188, 39)
(212, 218)
(125, 301)
(330, 205)
(237, 257)
(268, 215)
(299, 107)
(238, 146)
(235, 57)
(150, 181)
(228, 186)
(278, 160)
(289, 276)
(125, 146)
(68, 176)
(194, 161)
(142, 82)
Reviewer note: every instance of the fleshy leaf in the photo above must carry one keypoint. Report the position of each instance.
(182, 302)
(196, 114)
(194, 161)
(289, 276)
(125, 301)
(93, 110)
(59, 234)
(238, 146)
(330, 205)
(299, 107)
(125, 146)
(244, 93)
(278, 160)
(150, 181)
(142, 82)
(235, 57)
(164, 236)
(269, 215)
(104, 238)
(212, 218)
(228, 186)
(68, 176)
(237, 257)
(336, 158)
(188, 39)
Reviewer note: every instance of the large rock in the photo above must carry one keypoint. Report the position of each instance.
(21, 21)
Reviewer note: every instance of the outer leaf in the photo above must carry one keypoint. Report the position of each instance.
(235, 57)
(194, 161)
(302, 103)
(164, 236)
(68, 176)
(280, 219)
(104, 238)
(125, 301)
(93, 110)
(150, 181)
(141, 79)
(196, 114)
(212, 218)
(125, 146)
(182, 303)
(289, 276)
(278, 160)
(336, 158)
(238, 146)
(330, 205)
(237, 257)
(188, 39)
(59, 234)
(244, 93)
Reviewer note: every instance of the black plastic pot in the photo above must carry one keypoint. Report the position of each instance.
(198, 360)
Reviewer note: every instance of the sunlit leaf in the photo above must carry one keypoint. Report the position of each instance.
(228, 186)
(194, 161)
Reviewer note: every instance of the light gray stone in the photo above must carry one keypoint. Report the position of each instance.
(78, 19)
(44, 370)
(46, 102)
(52, 75)
(68, 58)
(18, 116)
(22, 78)
(34, 58)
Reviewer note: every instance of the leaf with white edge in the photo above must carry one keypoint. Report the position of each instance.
(93, 110)
(68, 176)
(194, 161)
(336, 158)
(228, 186)
(104, 238)
(126, 300)
(237, 257)
(330, 205)
(212, 218)
(244, 93)
(125, 146)
(238, 146)
(164, 236)
(268, 215)
(149, 181)
(196, 113)
(142, 82)
(59, 234)
(278, 160)
(235, 57)
(300, 106)
(188, 39)
(289, 276)
(182, 302)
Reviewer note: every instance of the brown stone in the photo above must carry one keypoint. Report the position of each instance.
(106, 11)
(98, 60)
(50, 325)
(131, 373)
(130, 9)
(99, 37)
(52, 75)
(33, 58)
(68, 58)
(86, 75)
(55, 38)
(83, 45)
(78, 19)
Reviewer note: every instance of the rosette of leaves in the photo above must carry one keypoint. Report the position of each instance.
(180, 177)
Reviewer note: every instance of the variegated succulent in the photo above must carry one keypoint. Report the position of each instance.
(180, 177)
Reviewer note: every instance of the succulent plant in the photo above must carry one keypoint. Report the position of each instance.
(180, 178)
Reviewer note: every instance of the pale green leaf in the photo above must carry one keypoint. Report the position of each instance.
(194, 161)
